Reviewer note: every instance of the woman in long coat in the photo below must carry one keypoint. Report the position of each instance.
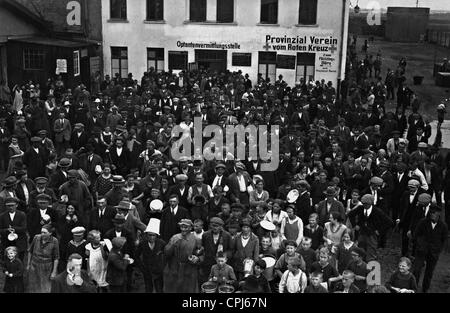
(43, 261)
(181, 271)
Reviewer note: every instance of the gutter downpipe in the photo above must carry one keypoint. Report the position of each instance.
(344, 39)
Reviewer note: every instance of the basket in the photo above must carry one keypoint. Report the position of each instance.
(226, 289)
(209, 287)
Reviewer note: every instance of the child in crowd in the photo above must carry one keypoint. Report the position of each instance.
(221, 272)
(347, 284)
(233, 229)
(359, 267)
(402, 280)
(330, 274)
(260, 267)
(106, 137)
(314, 231)
(282, 264)
(97, 254)
(198, 229)
(13, 269)
(225, 213)
(293, 279)
(308, 254)
(266, 248)
(315, 285)
(343, 251)
(277, 241)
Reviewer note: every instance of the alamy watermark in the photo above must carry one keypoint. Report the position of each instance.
(232, 138)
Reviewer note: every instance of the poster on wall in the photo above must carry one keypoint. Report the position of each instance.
(94, 64)
(61, 66)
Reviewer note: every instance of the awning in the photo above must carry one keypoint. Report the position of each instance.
(54, 42)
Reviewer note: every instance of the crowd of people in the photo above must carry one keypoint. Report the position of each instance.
(92, 197)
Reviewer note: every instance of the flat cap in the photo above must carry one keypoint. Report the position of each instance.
(240, 165)
(376, 180)
(424, 198)
(79, 230)
(367, 199)
(422, 145)
(181, 177)
(43, 197)
(186, 222)
(10, 181)
(413, 183)
(36, 139)
(11, 200)
(72, 173)
(41, 180)
(216, 220)
(118, 242)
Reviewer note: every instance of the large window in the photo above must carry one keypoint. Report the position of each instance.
(119, 61)
(305, 66)
(118, 9)
(33, 59)
(197, 10)
(225, 11)
(308, 12)
(155, 10)
(76, 63)
(178, 60)
(269, 11)
(268, 65)
(241, 59)
(155, 59)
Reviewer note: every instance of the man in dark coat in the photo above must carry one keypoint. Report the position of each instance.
(25, 187)
(60, 176)
(303, 204)
(120, 158)
(170, 218)
(101, 217)
(74, 279)
(13, 222)
(41, 187)
(37, 217)
(214, 240)
(35, 159)
(370, 221)
(408, 203)
(430, 235)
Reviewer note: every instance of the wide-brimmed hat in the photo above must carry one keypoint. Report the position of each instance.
(292, 196)
(267, 225)
(117, 179)
(156, 205)
(64, 162)
(153, 226)
(124, 205)
(10, 181)
(331, 191)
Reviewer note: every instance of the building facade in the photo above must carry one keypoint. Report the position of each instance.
(294, 38)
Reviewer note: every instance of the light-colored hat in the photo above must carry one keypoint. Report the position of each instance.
(79, 230)
(376, 181)
(367, 199)
(240, 165)
(67, 103)
(292, 196)
(181, 177)
(186, 222)
(156, 205)
(97, 100)
(267, 225)
(153, 226)
(413, 183)
(98, 169)
(422, 145)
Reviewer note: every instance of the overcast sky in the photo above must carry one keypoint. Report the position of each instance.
(433, 4)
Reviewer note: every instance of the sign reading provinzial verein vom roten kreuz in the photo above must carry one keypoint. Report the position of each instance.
(301, 43)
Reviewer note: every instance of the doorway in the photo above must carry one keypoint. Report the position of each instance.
(213, 60)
